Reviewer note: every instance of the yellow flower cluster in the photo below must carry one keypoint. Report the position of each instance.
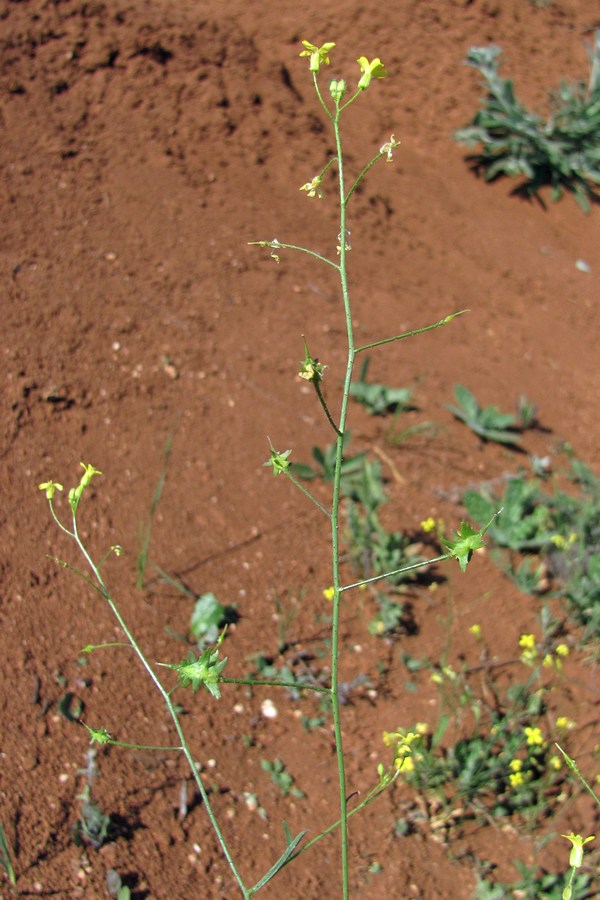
(529, 654)
(404, 741)
(561, 542)
(517, 776)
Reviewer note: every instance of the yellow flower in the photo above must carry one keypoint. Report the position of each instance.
(475, 631)
(50, 487)
(404, 764)
(427, 525)
(562, 650)
(374, 69)
(329, 593)
(313, 187)
(421, 728)
(516, 779)
(564, 723)
(527, 641)
(516, 765)
(576, 857)
(554, 763)
(317, 55)
(534, 736)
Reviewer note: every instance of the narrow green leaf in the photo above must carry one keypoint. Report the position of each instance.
(281, 862)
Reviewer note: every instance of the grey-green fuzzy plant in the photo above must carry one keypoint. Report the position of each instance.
(204, 668)
(562, 150)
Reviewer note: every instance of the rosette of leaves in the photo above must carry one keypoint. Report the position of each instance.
(561, 151)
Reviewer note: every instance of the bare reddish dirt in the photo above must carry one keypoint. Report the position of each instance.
(142, 145)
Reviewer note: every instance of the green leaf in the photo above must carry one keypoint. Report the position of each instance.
(207, 618)
(281, 862)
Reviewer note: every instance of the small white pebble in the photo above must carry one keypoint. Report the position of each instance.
(268, 709)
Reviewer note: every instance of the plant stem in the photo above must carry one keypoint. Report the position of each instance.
(304, 490)
(398, 337)
(324, 405)
(170, 707)
(335, 508)
(419, 565)
(294, 685)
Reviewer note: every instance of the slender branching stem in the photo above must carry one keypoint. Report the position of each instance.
(168, 703)
(399, 337)
(291, 685)
(305, 491)
(335, 510)
(418, 565)
(279, 246)
(324, 405)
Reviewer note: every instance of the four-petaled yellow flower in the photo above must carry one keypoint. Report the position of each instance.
(576, 857)
(527, 641)
(374, 69)
(317, 55)
(427, 525)
(516, 779)
(50, 487)
(534, 736)
(313, 188)
(329, 593)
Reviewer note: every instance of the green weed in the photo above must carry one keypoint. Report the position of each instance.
(486, 421)
(562, 151)
(281, 778)
(5, 857)
(378, 399)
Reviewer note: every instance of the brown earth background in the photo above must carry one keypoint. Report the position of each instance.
(142, 145)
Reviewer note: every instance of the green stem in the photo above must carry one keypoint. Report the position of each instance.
(363, 173)
(399, 337)
(310, 496)
(285, 684)
(321, 101)
(419, 565)
(280, 246)
(335, 509)
(140, 746)
(373, 795)
(575, 768)
(168, 703)
(324, 405)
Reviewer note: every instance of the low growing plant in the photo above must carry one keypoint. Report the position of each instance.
(561, 151)
(561, 527)
(491, 752)
(486, 421)
(379, 399)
